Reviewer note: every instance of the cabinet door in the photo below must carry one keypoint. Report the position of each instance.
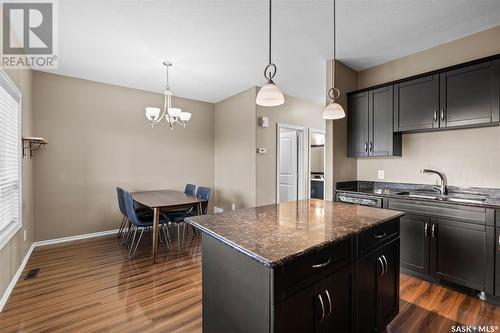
(381, 114)
(497, 261)
(389, 283)
(416, 104)
(415, 242)
(470, 95)
(357, 115)
(459, 252)
(301, 312)
(368, 271)
(337, 289)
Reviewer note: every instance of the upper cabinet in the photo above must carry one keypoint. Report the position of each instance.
(370, 124)
(461, 96)
(416, 104)
(470, 95)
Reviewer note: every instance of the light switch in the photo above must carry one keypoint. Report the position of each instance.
(381, 174)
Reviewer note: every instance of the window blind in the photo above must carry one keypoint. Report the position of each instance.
(10, 159)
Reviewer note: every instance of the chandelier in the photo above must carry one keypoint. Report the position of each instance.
(173, 116)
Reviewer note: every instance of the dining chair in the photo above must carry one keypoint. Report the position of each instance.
(203, 193)
(139, 209)
(142, 223)
(190, 189)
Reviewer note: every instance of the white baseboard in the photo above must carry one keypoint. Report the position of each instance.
(13, 282)
(16, 276)
(76, 237)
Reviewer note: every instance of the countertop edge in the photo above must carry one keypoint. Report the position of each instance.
(276, 263)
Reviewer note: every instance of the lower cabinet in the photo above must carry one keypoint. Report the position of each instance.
(452, 243)
(378, 288)
(326, 306)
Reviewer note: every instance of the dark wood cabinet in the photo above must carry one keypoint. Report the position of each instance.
(338, 289)
(300, 312)
(358, 124)
(448, 242)
(497, 256)
(415, 242)
(459, 252)
(470, 95)
(370, 124)
(377, 294)
(416, 104)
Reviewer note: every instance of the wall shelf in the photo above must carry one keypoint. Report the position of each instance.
(32, 144)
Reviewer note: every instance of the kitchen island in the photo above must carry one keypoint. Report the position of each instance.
(308, 265)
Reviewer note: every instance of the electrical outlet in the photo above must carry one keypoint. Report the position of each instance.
(381, 174)
(25, 235)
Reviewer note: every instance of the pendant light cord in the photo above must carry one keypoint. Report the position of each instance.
(333, 61)
(270, 25)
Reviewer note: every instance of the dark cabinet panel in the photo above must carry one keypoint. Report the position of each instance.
(416, 104)
(389, 285)
(337, 290)
(369, 269)
(299, 313)
(383, 141)
(415, 242)
(470, 95)
(459, 252)
(497, 260)
(358, 124)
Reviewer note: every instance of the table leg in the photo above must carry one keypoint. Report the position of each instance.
(200, 209)
(156, 220)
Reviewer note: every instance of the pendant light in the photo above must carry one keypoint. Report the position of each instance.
(333, 110)
(270, 94)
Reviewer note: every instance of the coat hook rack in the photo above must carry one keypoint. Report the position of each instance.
(32, 144)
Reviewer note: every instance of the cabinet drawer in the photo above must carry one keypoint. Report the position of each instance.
(376, 236)
(314, 263)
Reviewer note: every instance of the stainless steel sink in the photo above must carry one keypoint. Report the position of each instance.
(465, 200)
(423, 196)
(435, 196)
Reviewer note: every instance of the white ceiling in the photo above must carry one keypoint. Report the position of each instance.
(219, 48)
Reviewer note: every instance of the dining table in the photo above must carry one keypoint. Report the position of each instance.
(166, 200)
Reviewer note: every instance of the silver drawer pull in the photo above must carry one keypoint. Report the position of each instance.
(379, 236)
(326, 263)
(329, 302)
(386, 263)
(382, 271)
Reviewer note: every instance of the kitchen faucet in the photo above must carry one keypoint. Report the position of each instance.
(442, 188)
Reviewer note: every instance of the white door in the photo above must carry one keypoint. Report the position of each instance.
(288, 165)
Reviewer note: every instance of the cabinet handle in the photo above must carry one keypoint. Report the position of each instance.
(366, 146)
(442, 114)
(371, 145)
(329, 302)
(386, 263)
(381, 265)
(322, 308)
(426, 231)
(324, 264)
(435, 115)
(498, 240)
(433, 230)
(379, 236)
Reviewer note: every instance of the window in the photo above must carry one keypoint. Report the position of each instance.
(10, 159)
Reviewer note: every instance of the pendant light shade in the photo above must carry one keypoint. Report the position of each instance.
(270, 94)
(333, 110)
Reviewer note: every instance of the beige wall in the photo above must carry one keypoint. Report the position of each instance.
(235, 150)
(99, 139)
(12, 254)
(339, 167)
(295, 111)
(468, 157)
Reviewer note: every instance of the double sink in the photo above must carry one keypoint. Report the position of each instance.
(456, 197)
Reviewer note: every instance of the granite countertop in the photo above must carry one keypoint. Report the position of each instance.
(274, 234)
(393, 190)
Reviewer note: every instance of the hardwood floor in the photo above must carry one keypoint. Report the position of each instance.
(91, 286)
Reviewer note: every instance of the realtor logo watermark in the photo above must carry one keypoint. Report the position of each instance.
(29, 34)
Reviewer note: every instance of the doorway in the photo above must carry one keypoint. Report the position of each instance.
(317, 163)
(290, 163)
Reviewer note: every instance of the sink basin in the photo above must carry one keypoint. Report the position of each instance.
(466, 200)
(423, 196)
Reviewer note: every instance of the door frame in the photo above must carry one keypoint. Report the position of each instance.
(318, 131)
(302, 186)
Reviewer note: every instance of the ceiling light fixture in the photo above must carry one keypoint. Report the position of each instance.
(333, 110)
(270, 94)
(173, 116)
